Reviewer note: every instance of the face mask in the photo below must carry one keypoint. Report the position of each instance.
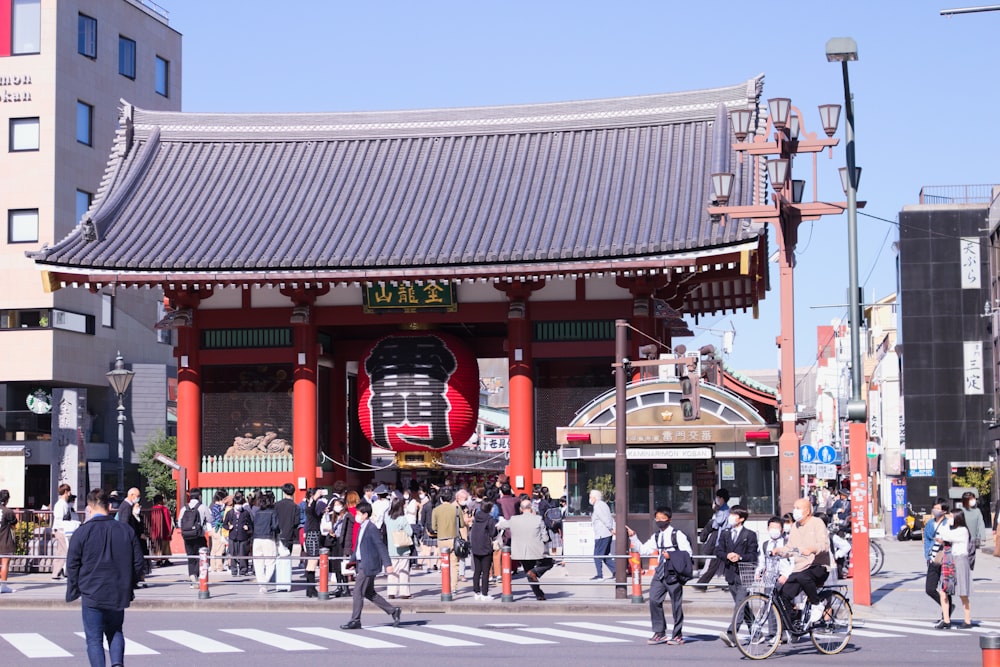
(972, 503)
(787, 529)
(775, 533)
(937, 513)
(338, 508)
(662, 525)
(731, 521)
(797, 514)
(406, 496)
(463, 503)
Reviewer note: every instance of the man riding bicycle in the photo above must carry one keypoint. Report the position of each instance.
(810, 545)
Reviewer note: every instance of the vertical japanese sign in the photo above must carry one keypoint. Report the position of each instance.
(70, 429)
(969, 263)
(973, 355)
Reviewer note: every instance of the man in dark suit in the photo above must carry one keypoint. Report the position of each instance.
(369, 557)
(288, 527)
(736, 544)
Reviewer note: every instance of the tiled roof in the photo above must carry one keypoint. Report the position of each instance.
(351, 193)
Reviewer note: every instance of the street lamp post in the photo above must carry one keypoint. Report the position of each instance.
(120, 378)
(844, 50)
(784, 137)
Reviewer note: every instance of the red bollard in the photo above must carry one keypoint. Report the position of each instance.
(990, 645)
(203, 593)
(324, 574)
(636, 563)
(446, 575)
(507, 593)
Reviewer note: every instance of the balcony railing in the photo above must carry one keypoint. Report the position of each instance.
(958, 194)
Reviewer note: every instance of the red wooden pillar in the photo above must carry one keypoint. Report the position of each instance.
(522, 398)
(304, 403)
(188, 408)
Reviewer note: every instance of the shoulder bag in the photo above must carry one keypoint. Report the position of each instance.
(461, 546)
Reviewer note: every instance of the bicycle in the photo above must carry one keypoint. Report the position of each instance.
(766, 616)
(876, 555)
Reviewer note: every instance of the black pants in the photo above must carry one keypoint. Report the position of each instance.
(539, 567)
(658, 591)
(191, 547)
(239, 550)
(933, 584)
(481, 573)
(808, 580)
(711, 564)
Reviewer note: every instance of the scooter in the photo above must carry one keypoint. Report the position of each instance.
(914, 528)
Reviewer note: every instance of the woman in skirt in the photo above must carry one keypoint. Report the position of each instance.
(957, 535)
(315, 509)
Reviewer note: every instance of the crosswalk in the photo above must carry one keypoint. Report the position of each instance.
(414, 634)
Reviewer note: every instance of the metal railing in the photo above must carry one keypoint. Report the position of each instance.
(958, 194)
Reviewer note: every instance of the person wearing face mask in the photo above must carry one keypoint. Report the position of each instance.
(809, 543)
(411, 510)
(931, 549)
(736, 544)
(955, 534)
(975, 523)
(710, 535)
(673, 569)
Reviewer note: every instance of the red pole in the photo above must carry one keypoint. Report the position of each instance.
(203, 593)
(636, 564)
(507, 593)
(304, 407)
(521, 387)
(188, 409)
(446, 575)
(324, 574)
(990, 645)
(860, 557)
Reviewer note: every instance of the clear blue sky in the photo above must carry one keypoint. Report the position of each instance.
(925, 90)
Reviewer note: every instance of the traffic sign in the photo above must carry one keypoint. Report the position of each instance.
(807, 453)
(826, 454)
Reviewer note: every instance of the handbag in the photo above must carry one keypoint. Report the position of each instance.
(401, 539)
(460, 547)
(948, 572)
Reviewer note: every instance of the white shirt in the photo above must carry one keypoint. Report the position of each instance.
(59, 513)
(379, 509)
(662, 539)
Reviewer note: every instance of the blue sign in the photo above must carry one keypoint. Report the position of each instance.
(826, 454)
(807, 453)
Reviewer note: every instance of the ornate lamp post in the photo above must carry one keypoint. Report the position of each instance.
(120, 378)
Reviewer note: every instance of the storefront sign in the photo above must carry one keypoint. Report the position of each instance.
(672, 453)
(728, 471)
(672, 435)
(411, 298)
(12, 88)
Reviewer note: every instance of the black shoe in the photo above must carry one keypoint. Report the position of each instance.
(396, 613)
(966, 626)
(352, 625)
(539, 595)
(596, 577)
(338, 593)
(311, 592)
(941, 625)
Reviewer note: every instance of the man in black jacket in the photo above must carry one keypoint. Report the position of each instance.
(736, 544)
(288, 527)
(103, 567)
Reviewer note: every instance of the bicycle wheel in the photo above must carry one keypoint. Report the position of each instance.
(876, 557)
(832, 632)
(757, 627)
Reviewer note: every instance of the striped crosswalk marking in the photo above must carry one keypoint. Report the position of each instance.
(273, 639)
(598, 627)
(132, 647)
(568, 634)
(430, 638)
(34, 645)
(927, 625)
(491, 634)
(352, 638)
(196, 642)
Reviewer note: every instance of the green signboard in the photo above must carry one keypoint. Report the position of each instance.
(436, 297)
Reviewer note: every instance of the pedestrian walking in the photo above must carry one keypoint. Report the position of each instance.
(7, 522)
(130, 513)
(315, 509)
(369, 555)
(446, 524)
(219, 535)
(339, 542)
(288, 525)
(975, 524)
(265, 540)
(710, 535)
(674, 567)
(238, 523)
(956, 577)
(932, 549)
(483, 543)
(736, 544)
(603, 525)
(161, 528)
(103, 566)
(62, 518)
(400, 535)
(194, 520)
(528, 540)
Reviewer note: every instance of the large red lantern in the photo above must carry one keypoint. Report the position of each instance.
(418, 392)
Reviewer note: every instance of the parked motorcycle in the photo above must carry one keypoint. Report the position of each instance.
(914, 528)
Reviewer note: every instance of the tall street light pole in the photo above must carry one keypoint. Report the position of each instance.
(844, 50)
(120, 378)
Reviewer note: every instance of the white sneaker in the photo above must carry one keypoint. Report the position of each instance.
(816, 613)
(262, 589)
(4, 588)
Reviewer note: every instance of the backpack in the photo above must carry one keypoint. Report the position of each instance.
(553, 517)
(679, 568)
(191, 522)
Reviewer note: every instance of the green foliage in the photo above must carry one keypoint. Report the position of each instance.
(979, 479)
(159, 477)
(603, 483)
(24, 531)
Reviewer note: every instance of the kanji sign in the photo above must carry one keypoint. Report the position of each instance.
(410, 298)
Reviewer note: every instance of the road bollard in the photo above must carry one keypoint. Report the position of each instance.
(990, 645)
(507, 593)
(324, 574)
(446, 575)
(203, 593)
(636, 563)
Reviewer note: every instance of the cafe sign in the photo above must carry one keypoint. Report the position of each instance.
(412, 298)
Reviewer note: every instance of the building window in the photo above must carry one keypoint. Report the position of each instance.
(87, 36)
(126, 57)
(26, 27)
(22, 225)
(162, 74)
(83, 200)
(84, 123)
(23, 134)
(108, 310)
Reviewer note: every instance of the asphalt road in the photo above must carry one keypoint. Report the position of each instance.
(247, 639)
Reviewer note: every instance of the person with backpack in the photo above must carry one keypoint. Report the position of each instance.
(239, 522)
(194, 521)
(673, 569)
(552, 517)
(219, 541)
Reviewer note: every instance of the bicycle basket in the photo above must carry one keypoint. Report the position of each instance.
(757, 583)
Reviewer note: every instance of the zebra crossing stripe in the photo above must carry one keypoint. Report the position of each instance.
(491, 634)
(430, 638)
(132, 647)
(352, 638)
(598, 627)
(199, 643)
(34, 645)
(567, 634)
(273, 639)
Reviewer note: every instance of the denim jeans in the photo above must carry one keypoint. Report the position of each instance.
(602, 547)
(101, 623)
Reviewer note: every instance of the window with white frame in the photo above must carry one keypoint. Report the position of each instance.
(23, 134)
(22, 225)
(26, 27)
(107, 310)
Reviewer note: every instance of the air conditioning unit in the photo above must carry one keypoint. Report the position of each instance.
(767, 450)
(570, 453)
